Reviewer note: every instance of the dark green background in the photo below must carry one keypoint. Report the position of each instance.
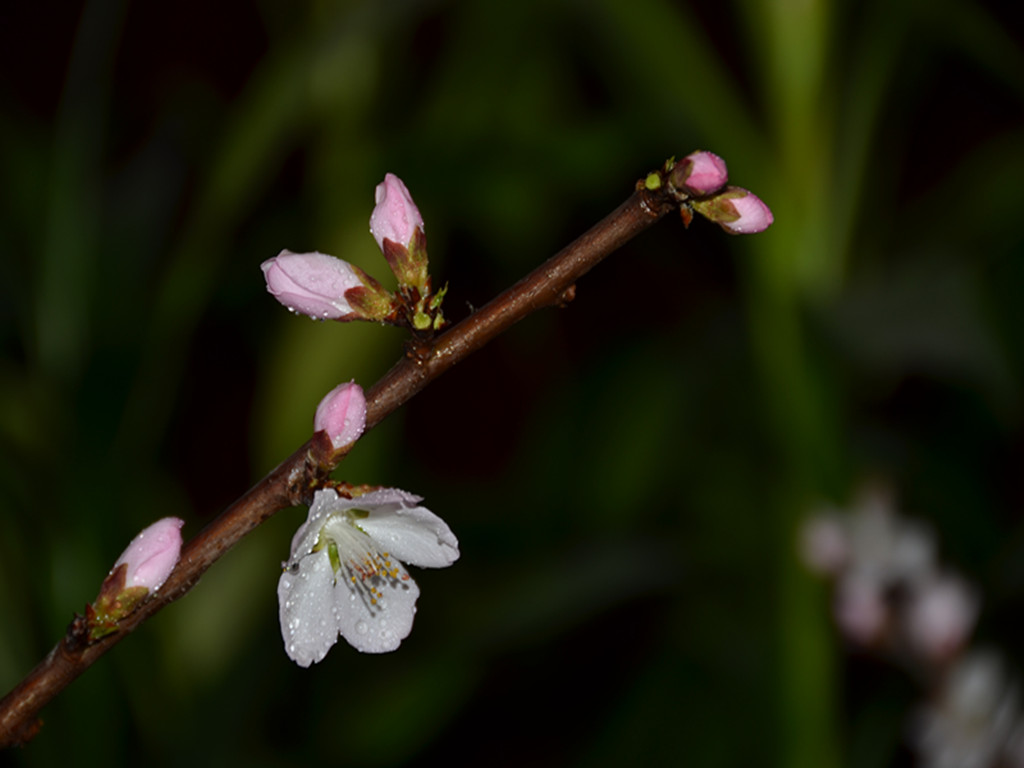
(626, 476)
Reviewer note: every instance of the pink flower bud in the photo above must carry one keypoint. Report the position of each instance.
(312, 283)
(396, 216)
(700, 173)
(754, 215)
(152, 555)
(736, 210)
(342, 414)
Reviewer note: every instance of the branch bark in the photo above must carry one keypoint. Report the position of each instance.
(293, 481)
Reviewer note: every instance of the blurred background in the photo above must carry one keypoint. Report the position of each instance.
(626, 476)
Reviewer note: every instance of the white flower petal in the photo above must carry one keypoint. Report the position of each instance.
(375, 614)
(414, 535)
(385, 496)
(305, 600)
(324, 503)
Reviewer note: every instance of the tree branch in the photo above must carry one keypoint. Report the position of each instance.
(293, 481)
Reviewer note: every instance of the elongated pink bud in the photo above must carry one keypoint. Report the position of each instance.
(152, 555)
(754, 215)
(395, 216)
(342, 414)
(736, 210)
(315, 284)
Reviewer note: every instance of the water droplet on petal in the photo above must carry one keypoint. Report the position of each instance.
(361, 627)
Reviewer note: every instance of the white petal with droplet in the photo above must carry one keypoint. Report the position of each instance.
(304, 599)
(414, 535)
(360, 621)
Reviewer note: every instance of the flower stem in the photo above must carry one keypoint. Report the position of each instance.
(293, 481)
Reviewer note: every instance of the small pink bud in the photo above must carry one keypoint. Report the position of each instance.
(396, 216)
(700, 173)
(152, 555)
(736, 210)
(754, 215)
(342, 414)
(312, 283)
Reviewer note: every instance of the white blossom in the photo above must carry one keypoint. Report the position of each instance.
(346, 574)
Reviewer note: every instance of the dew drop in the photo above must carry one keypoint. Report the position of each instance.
(383, 622)
(361, 627)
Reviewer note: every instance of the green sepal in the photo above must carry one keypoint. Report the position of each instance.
(371, 303)
(719, 208)
(103, 616)
(437, 298)
(409, 264)
(418, 261)
(421, 321)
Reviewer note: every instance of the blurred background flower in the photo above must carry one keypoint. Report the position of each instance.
(626, 487)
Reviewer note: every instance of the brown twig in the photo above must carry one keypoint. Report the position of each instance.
(292, 482)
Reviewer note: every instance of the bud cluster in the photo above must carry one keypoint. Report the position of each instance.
(698, 183)
(328, 288)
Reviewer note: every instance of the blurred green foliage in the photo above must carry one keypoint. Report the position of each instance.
(625, 476)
